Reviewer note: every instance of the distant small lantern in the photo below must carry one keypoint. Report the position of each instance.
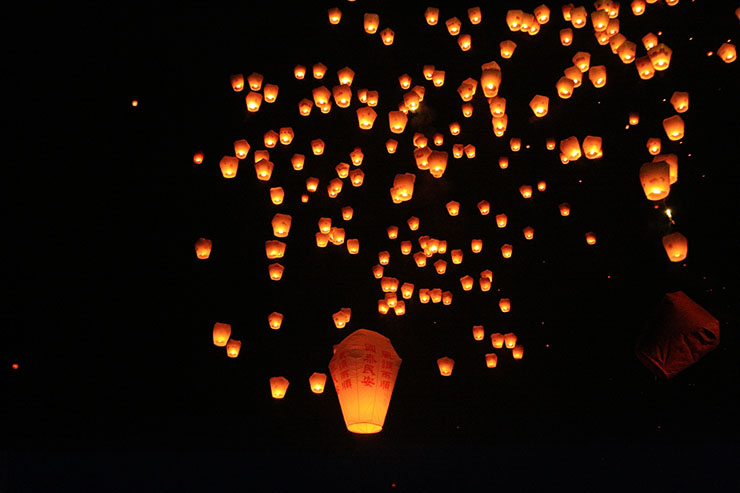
(317, 382)
(469, 151)
(676, 246)
(515, 144)
(347, 212)
(233, 347)
(391, 145)
(198, 158)
(299, 72)
(322, 239)
(438, 78)
(342, 317)
(597, 75)
(591, 238)
(383, 307)
(634, 118)
(497, 340)
(491, 360)
(479, 332)
(541, 185)
(420, 258)
(407, 290)
(504, 305)
(550, 144)
(653, 145)
(317, 146)
(384, 257)
(278, 387)
(203, 248)
(271, 93)
(564, 86)
(674, 127)
(229, 166)
(405, 81)
(311, 184)
(221, 334)
(275, 320)
(456, 256)
(467, 109)
(353, 246)
(644, 68)
(371, 23)
(237, 82)
(357, 177)
(428, 71)
(378, 271)
(510, 340)
(413, 223)
(503, 162)
(445, 365)
(424, 296)
(680, 101)
(453, 208)
(465, 42)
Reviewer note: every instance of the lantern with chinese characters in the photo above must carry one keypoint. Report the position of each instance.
(445, 365)
(233, 347)
(676, 246)
(644, 68)
(660, 56)
(655, 178)
(674, 127)
(275, 320)
(221, 334)
(278, 387)
(281, 225)
(317, 381)
(364, 370)
(229, 166)
(203, 248)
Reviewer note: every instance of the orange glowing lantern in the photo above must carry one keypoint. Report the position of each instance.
(474, 14)
(490, 80)
(276, 271)
(387, 36)
(372, 21)
(278, 387)
(445, 365)
(571, 148)
(203, 248)
(676, 246)
(484, 207)
(644, 68)
(469, 151)
(727, 52)
(638, 7)
(304, 107)
(591, 238)
(364, 402)
(680, 101)
(281, 225)
(311, 184)
(582, 60)
(383, 307)
(255, 81)
(322, 239)
(335, 15)
(271, 138)
(274, 249)
(420, 258)
(342, 170)
(539, 105)
(336, 236)
(198, 158)
(413, 223)
(467, 283)
(342, 95)
(510, 340)
(542, 14)
(550, 144)
(317, 381)
(514, 19)
(237, 82)
(357, 177)
(564, 209)
(317, 146)
(241, 148)
(271, 93)
(653, 145)
(672, 161)
(507, 48)
(453, 207)
(229, 166)
(517, 352)
(397, 121)
(634, 118)
(660, 56)
(491, 360)
(497, 340)
(479, 332)
(384, 257)
(592, 147)
(655, 178)
(424, 296)
(428, 71)
(342, 317)
(453, 26)
(391, 145)
(515, 144)
(599, 20)
(405, 81)
(627, 52)
(431, 14)
(578, 17)
(526, 191)
(438, 78)
(574, 73)
(353, 246)
(465, 42)
(504, 304)
(440, 266)
(378, 271)
(528, 232)
(506, 250)
(501, 220)
(476, 245)
(565, 87)
(233, 347)
(597, 75)
(275, 320)
(467, 109)
(566, 36)
(221, 334)
(299, 72)
(674, 127)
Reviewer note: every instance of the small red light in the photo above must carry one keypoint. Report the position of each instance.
(14, 366)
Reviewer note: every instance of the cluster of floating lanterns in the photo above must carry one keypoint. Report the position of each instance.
(364, 405)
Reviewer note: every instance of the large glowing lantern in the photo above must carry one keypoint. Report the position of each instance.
(275, 320)
(514, 19)
(565, 87)
(660, 56)
(445, 365)
(592, 147)
(364, 370)
(221, 334)
(672, 161)
(366, 117)
(507, 48)
(254, 101)
(233, 347)
(281, 225)
(539, 105)
(229, 166)
(597, 75)
(727, 52)
(676, 246)
(491, 360)
(680, 101)
(203, 248)
(431, 14)
(278, 387)
(274, 249)
(504, 305)
(317, 381)
(397, 121)
(276, 271)
(371, 22)
(674, 127)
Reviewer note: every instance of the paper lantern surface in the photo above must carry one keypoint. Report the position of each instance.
(364, 370)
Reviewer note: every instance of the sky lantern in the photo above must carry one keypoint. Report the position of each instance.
(345, 76)
(506, 250)
(465, 42)
(342, 95)
(458, 151)
(322, 239)
(727, 52)
(597, 75)
(324, 224)
(578, 17)
(514, 19)
(378, 271)
(602, 37)
(407, 290)
(353, 246)
(660, 56)
(221, 334)
(428, 71)
(397, 121)
(255, 81)
(467, 109)
(591, 238)
(445, 365)
(456, 256)
(317, 147)
(321, 95)
(467, 283)
(384, 257)
(680, 101)
(490, 80)
(304, 107)
(484, 207)
(335, 15)
(616, 41)
(566, 36)
(241, 148)
(644, 68)
(485, 284)
(497, 340)
(634, 118)
(271, 93)
(517, 352)
(592, 147)
(274, 249)
(437, 163)
(504, 304)
(254, 101)
(400, 308)
(299, 72)
(510, 340)
(342, 317)
(388, 284)
(440, 266)
(203, 248)
(655, 178)
(342, 170)
(638, 7)
(672, 161)
(653, 145)
(507, 48)
(271, 139)
(275, 271)
(479, 332)
(198, 157)
(286, 135)
(550, 144)
(453, 207)
(387, 35)
(469, 151)
(420, 258)
(582, 60)
(491, 360)
(312, 184)
(528, 232)
(317, 381)
(574, 73)
(336, 236)
(474, 14)
(403, 187)
(281, 225)
(599, 20)
(571, 148)
(424, 296)
(383, 307)
(364, 370)
(278, 387)
(366, 117)
(497, 106)
(627, 51)
(404, 80)
(233, 347)
(391, 145)
(229, 166)
(392, 232)
(649, 41)
(539, 105)
(371, 23)
(676, 246)
(275, 320)
(438, 139)
(526, 191)
(501, 220)
(542, 185)
(431, 14)
(564, 87)
(237, 82)
(515, 143)
(542, 14)
(413, 223)
(453, 26)
(476, 245)
(674, 127)
(564, 209)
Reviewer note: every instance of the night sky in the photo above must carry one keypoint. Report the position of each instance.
(109, 314)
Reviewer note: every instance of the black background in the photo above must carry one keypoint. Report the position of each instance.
(109, 314)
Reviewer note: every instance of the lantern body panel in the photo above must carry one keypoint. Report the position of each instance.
(364, 370)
